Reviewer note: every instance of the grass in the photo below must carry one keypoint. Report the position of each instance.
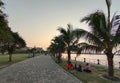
(4, 59)
(96, 76)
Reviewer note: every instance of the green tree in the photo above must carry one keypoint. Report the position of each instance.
(52, 48)
(8, 38)
(5, 31)
(10, 51)
(100, 38)
(69, 38)
(18, 40)
(60, 46)
(57, 45)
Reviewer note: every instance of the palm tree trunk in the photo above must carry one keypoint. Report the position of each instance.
(110, 65)
(59, 58)
(69, 57)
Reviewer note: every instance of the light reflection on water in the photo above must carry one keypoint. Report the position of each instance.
(91, 58)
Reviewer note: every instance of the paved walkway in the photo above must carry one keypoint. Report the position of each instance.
(40, 69)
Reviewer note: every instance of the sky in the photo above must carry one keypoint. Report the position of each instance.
(37, 21)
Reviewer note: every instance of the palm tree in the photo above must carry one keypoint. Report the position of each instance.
(52, 48)
(60, 46)
(69, 38)
(57, 47)
(100, 38)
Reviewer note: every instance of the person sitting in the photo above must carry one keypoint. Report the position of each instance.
(87, 68)
(79, 68)
(70, 66)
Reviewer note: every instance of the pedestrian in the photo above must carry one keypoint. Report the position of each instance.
(87, 68)
(70, 66)
(79, 68)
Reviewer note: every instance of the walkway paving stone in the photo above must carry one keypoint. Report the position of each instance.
(40, 69)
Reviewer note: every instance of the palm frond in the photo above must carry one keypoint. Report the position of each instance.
(90, 48)
(62, 30)
(98, 24)
(67, 34)
(116, 38)
(86, 19)
(91, 38)
(113, 19)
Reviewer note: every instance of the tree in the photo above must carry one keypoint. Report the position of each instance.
(18, 40)
(60, 46)
(10, 51)
(69, 39)
(5, 31)
(8, 38)
(52, 48)
(57, 47)
(100, 38)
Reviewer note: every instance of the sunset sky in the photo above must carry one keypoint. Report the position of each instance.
(37, 21)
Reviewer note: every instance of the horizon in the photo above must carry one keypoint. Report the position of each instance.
(37, 21)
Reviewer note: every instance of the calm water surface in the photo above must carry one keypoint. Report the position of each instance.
(91, 58)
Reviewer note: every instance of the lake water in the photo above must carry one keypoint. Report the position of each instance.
(91, 58)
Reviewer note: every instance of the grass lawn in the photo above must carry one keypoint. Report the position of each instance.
(15, 58)
(94, 77)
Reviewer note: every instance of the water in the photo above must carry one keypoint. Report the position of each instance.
(93, 59)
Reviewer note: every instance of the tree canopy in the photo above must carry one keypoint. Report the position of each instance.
(7, 36)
